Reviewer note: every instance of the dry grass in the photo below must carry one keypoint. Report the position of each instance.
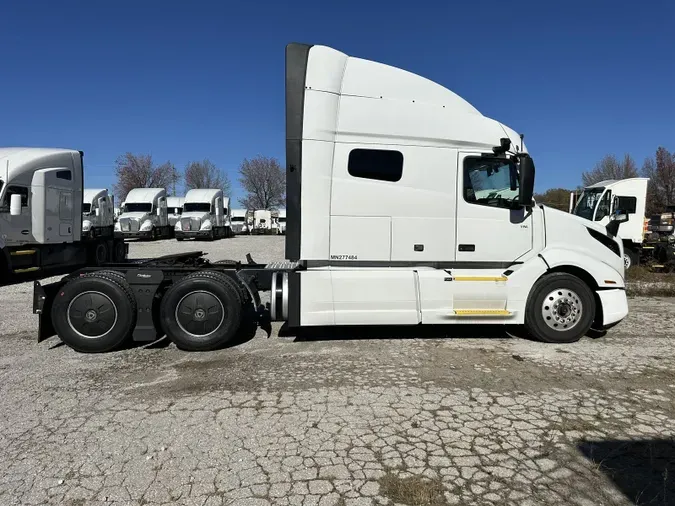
(413, 491)
(642, 282)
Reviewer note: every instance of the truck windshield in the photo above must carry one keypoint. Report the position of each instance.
(197, 207)
(137, 207)
(237, 218)
(86, 208)
(282, 220)
(588, 201)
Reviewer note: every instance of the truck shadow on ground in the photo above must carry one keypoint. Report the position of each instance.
(644, 470)
(350, 333)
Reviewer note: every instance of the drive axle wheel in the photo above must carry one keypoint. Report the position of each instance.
(560, 309)
(95, 313)
(202, 311)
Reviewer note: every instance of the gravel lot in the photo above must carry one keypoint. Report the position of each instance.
(329, 418)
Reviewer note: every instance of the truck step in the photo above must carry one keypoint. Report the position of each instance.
(29, 269)
(482, 312)
(479, 278)
(23, 252)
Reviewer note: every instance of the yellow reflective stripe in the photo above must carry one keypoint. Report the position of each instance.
(480, 278)
(482, 312)
(23, 252)
(29, 269)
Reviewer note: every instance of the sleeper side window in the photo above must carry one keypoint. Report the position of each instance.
(377, 164)
(490, 182)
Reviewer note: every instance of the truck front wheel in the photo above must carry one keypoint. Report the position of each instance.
(630, 258)
(202, 311)
(560, 309)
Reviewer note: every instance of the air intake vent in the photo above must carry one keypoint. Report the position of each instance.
(606, 240)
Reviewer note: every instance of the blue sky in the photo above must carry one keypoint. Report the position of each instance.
(204, 79)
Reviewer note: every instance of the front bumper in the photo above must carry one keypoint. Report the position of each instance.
(192, 234)
(614, 306)
(133, 235)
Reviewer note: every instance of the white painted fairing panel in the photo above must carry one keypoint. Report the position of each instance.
(374, 297)
(316, 298)
(614, 305)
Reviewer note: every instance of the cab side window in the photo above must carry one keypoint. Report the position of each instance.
(604, 206)
(14, 190)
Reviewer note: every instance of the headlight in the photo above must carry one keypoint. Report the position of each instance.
(118, 227)
(147, 225)
(206, 225)
(86, 225)
(177, 227)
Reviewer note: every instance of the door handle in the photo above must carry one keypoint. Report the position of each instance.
(467, 247)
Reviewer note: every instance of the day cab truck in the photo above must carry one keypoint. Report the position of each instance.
(43, 219)
(599, 202)
(469, 246)
(144, 215)
(205, 216)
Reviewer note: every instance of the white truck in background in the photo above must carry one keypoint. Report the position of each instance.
(98, 213)
(239, 223)
(175, 209)
(469, 246)
(600, 201)
(41, 215)
(262, 222)
(281, 222)
(144, 215)
(205, 216)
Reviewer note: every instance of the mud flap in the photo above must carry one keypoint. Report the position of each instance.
(43, 298)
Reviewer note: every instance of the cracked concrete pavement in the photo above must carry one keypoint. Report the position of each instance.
(447, 416)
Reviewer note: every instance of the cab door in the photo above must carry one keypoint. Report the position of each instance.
(491, 230)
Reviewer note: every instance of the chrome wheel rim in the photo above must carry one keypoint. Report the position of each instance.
(626, 261)
(562, 309)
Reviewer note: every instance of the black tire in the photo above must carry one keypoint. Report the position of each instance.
(630, 258)
(569, 315)
(101, 253)
(202, 311)
(119, 252)
(112, 318)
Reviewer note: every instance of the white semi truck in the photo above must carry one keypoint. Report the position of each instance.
(41, 215)
(144, 215)
(600, 201)
(262, 222)
(281, 222)
(98, 213)
(175, 209)
(238, 220)
(469, 245)
(205, 216)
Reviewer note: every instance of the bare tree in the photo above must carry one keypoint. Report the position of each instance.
(610, 168)
(138, 171)
(661, 186)
(264, 181)
(205, 174)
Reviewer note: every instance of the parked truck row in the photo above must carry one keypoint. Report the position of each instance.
(470, 246)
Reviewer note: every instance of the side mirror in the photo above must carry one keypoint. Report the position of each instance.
(526, 180)
(15, 205)
(619, 217)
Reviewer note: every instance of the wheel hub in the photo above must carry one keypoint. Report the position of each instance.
(562, 309)
(92, 314)
(200, 313)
